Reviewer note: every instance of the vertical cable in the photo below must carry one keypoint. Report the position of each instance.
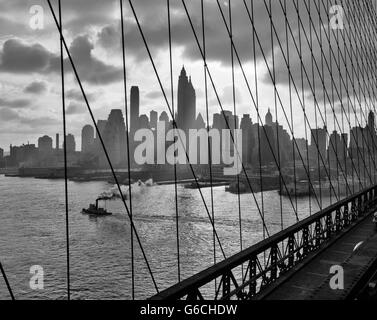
(277, 136)
(291, 106)
(128, 150)
(235, 127)
(258, 126)
(208, 129)
(175, 165)
(303, 103)
(101, 140)
(315, 113)
(65, 152)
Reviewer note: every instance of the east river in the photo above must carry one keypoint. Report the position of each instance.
(32, 232)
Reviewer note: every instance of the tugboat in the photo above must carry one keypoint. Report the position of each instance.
(94, 209)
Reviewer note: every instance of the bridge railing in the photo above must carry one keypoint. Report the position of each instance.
(270, 259)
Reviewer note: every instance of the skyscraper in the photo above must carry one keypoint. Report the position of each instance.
(87, 138)
(186, 102)
(115, 138)
(70, 143)
(101, 125)
(153, 116)
(45, 145)
(135, 108)
(268, 118)
(57, 142)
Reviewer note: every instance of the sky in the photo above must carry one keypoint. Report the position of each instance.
(30, 82)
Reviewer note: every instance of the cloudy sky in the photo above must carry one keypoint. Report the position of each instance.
(30, 84)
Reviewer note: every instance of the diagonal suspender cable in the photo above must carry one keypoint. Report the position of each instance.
(128, 150)
(332, 79)
(314, 138)
(175, 165)
(6, 282)
(225, 119)
(254, 102)
(65, 156)
(331, 76)
(304, 69)
(174, 122)
(221, 107)
(103, 145)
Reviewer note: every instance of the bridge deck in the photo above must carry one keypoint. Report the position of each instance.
(311, 281)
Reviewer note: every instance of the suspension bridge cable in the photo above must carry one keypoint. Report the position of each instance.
(291, 110)
(235, 127)
(247, 83)
(297, 49)
(253, 99)
(333, 81)
(174, 122)
(208, 129)
(225, 119)
(128, 149)
(65, 155)
(102, 143)
(315, 117)
(6, 282)
(276, 123)
(307, 77)
(293, 82)
(258, 128)
(322, 80)
(367, 36)
(372, 64)
(270, 73)
(331, 75)
(304, 109)
(175, 165)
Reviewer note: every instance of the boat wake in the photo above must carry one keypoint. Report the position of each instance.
(137, 188)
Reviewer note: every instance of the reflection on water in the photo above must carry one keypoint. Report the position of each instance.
(32, 232)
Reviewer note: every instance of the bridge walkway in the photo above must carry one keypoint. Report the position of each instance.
(312, 279)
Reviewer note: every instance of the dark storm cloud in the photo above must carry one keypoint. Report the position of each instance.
(36, 87)
(153, 19)
(327, 67)
(18, 57)
(15, 103)
(89, 67)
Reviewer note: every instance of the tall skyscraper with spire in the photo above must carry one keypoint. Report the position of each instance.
(186, 102)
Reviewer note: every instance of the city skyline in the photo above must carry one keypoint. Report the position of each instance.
(30, 82)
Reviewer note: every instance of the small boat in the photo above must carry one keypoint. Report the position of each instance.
(94, 209)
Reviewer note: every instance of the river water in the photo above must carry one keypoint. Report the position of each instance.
(32, 232)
